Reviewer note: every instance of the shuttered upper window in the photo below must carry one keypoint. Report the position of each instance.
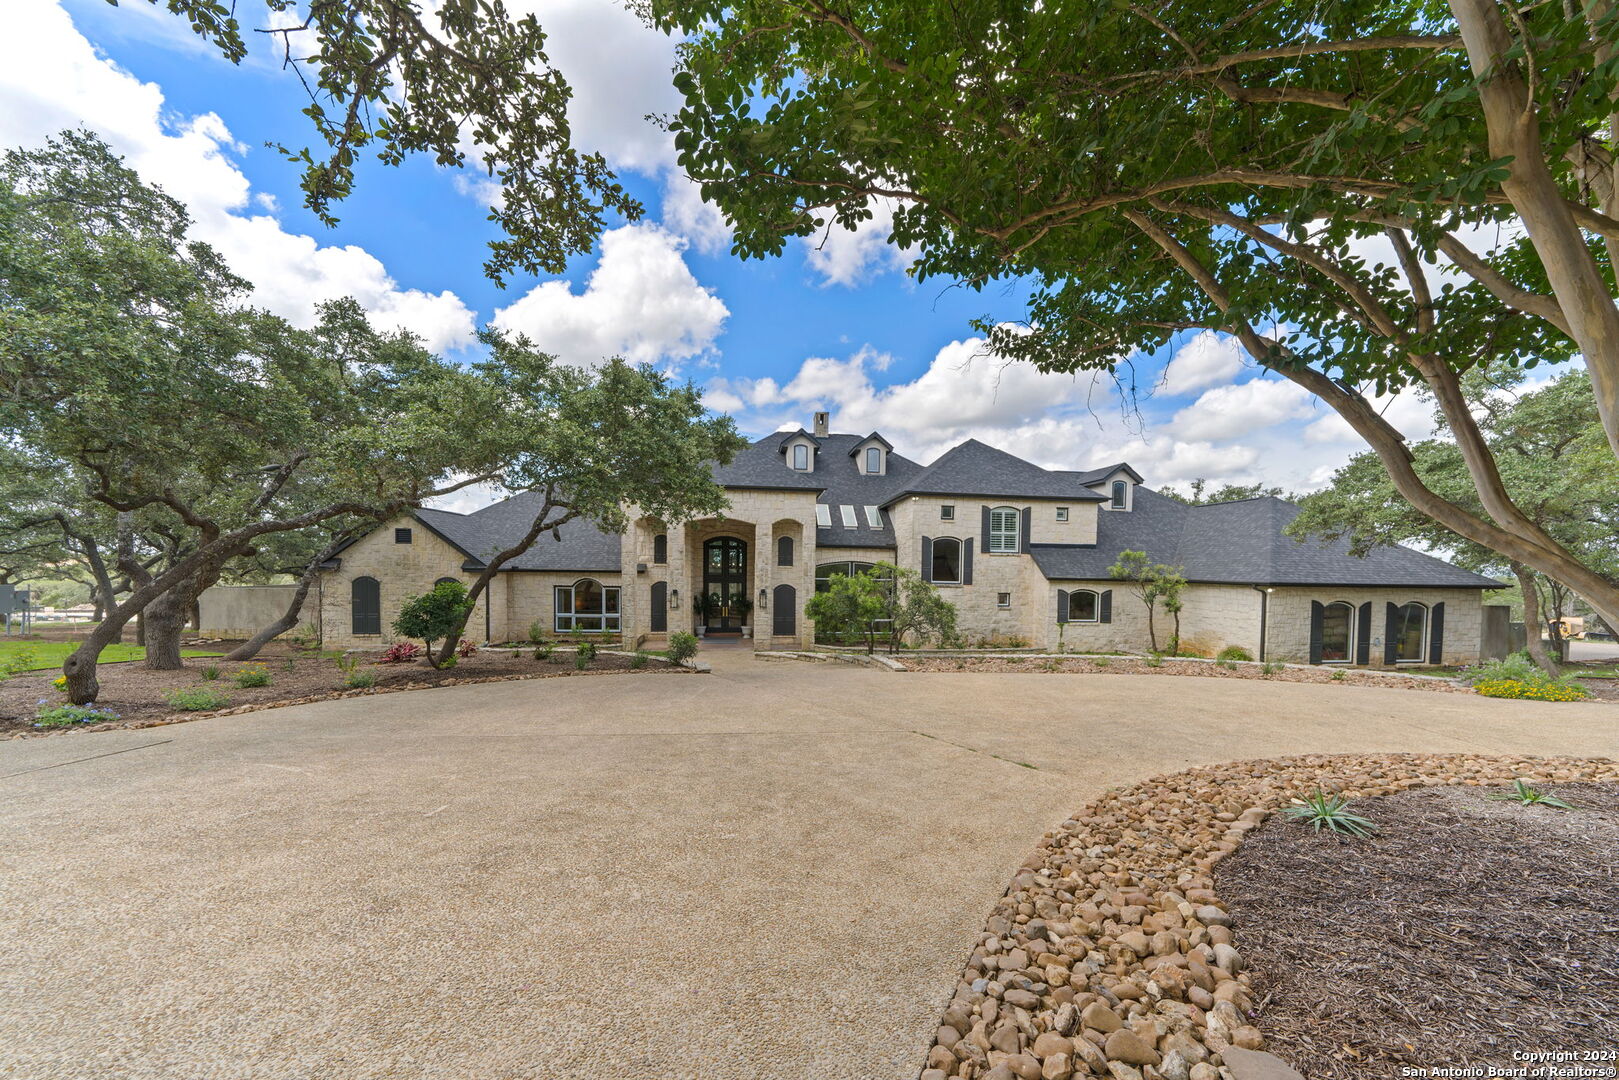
(1003, 529)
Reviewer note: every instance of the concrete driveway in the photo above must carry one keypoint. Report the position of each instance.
(772, 871)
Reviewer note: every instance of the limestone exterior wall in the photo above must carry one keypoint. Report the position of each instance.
(1288, 625)
(531, 598)
(233, 611)
(855, 554)
(979, 613)
(401, 570)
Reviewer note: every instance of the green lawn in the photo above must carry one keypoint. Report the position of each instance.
(50, 654)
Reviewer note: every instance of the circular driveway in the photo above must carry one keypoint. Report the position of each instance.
(772, 871)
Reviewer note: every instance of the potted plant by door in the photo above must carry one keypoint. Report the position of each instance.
(699, 608)
(745, 606)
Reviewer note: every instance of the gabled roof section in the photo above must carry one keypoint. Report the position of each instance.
(789, 436)
(1242, 543)
(874, 437)
(845, 485)
(1096, 476)
(759, 465)
(978, 469)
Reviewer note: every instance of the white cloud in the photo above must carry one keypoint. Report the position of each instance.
(60, 81)
(1205, 360)
(685, 213)
(850, 257)
(641, 302)
(1226, 411)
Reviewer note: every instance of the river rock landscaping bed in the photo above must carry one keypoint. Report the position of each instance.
(1132, 665)
(1112, 953)
(140, 696)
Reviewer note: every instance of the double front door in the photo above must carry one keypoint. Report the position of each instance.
(725, 583)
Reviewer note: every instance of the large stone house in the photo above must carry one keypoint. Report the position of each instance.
(1023, 552)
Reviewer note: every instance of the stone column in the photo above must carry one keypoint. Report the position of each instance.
(680, 617)
(764, 562)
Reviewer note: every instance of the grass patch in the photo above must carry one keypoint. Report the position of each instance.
(50, 654)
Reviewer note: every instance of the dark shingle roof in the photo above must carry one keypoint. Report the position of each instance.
(760, 465)
(582, 547)
(846, 485)
(1241, 543)
(976, 468)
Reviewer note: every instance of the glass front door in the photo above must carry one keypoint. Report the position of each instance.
(725, 583)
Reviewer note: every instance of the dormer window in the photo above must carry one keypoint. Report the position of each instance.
(1121, 495)
(874, 460)
(801, 457)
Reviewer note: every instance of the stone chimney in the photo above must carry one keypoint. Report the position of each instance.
(823, 425)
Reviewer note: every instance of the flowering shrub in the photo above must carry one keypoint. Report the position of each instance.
(68, 715)
(466, 649)
(252, 676)
(1544, 690)
(60, 682)
(402, 653)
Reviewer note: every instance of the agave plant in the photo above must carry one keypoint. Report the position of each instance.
(1528, 796)
(1322, 811)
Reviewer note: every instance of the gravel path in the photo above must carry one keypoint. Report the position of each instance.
(772, 871)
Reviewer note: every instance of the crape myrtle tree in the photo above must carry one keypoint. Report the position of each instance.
(1554, 460)
(1370, 197)
(128, 359)
(593, 443)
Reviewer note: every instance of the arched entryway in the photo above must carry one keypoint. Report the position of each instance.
(725, 584)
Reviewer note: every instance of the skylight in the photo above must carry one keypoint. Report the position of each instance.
(823, 515)
(874, 517)
(849, 520)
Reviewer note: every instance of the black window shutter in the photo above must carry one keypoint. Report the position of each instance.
(1391, 629)
(784, 619)
(1107, 605)
(660, 607)
(987, 545)
(1436, 637)
(1023, 533)
(1363, 647)
(967, 561)
(1316, 611)
(927, 558)
(1062, 605)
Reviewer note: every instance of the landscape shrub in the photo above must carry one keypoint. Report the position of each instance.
(543, 650)
(197, 699)
(1546, 689)
(436, 615)
(638, 660)
(58, 716)
(360, 680)
(18, 662)
(466, 649)
(1235, 652)
(1154, 660)
(682, 646)
(1518, 668)
(536, 632)
(586, 650)
(1271, 667)
(581, 660)
(60, 684)
(402, 653)
(211, 672)
(252, 677)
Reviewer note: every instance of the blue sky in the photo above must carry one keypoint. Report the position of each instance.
(835, 325)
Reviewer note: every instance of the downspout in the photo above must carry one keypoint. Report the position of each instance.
(1264, 611)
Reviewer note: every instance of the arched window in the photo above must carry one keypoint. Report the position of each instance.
(784, 551)
(801, 457)
(365, 595)
(1337, 632)
(660, 549)
(442, 580)
(588, 606)
(1003, 529)
(1410, 634)
(946, 561)
(874, 460)
(1083, 606)
(1121, 492)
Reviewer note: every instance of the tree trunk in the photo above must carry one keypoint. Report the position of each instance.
(289, 618)
(1514, 133)
(164, 620)
(1531, 619)
(1152, 630)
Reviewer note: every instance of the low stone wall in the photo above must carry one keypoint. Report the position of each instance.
(1110, 954)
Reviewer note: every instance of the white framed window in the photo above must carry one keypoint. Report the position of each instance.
(801, 457)
(823, 515)
(1062, 513)
(1121, 495)
(1411, 634)
(846, 512)
(1083, 606)
(1003, 529)
(587, 606)
(874, 517)
(1003, 599)
(946, 561)
(874, 460)
(947, 512)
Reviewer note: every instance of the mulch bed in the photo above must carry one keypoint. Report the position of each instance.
(140, 697)
(1464, 930)
(1125, 665)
